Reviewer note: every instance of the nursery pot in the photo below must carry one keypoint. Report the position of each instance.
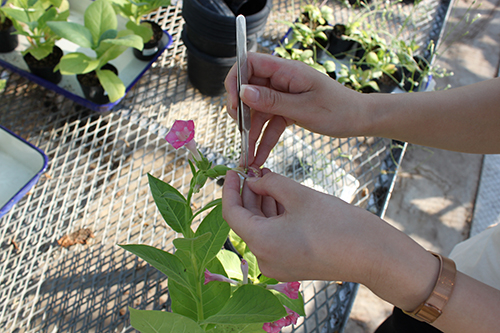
(207, 73)
(387, 84)
(339, 46)
(44, 68)
(416, 76)
(157, 42)
(214, 32)
(92, 88)
(8, 41)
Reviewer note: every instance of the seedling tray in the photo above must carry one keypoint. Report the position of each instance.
(21, 165)
(130, 69)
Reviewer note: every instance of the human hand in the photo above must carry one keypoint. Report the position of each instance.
(297, 233)
(282, 92)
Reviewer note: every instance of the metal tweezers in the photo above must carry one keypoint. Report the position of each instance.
(243, 116)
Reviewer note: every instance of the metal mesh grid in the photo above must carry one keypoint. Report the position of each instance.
(97, 180)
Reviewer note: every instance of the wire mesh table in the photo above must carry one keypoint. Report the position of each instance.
(96, 187)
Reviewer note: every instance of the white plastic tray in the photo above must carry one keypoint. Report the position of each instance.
(130, 69)
(21, 165)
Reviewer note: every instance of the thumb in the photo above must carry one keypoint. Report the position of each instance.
(268, 100)
(282, 189)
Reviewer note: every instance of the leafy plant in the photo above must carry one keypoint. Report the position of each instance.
(100, 34)
(212, 290)
(307, 57)
(135, 11)
(363, 80)
(3, 15)
(29, 18)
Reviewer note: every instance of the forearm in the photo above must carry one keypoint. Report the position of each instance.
(407, 276)
(465, 119)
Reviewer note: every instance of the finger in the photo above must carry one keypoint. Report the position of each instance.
(270, 138)
(231, 85)
(259, 119)
(270, 207)
(251, 201)
(233, 211)
(284, 190)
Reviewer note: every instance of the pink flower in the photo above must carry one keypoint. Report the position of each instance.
(209, 277)
(182, 134)
(291, 289)
(275, 327)
(244, 270)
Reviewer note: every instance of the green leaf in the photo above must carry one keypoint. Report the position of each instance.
(108, 34)
(329, 66)
(296, 305)
(162, 322)
(73, 32)
(243, 328)
(249, 304)
(211, 204)
(214, 224)
(100, 17)
(163, 261)
(143, 30)
(41, 51)
(231, 263)
(171, 203)
(111, 83)
(214, 295)
(192, 244)
(77, 63)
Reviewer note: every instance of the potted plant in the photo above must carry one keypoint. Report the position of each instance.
(30, 18)
(307, 57)
(310, 30)
(8, 40)
(356, 78)
(100, 82)
(151, 33)
(211, 289)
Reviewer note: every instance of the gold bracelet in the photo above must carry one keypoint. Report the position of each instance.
(432, 308)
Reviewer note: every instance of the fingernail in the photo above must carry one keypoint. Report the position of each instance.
(249, 93)
(252, 179)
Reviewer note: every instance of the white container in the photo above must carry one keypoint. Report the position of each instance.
(21, 165)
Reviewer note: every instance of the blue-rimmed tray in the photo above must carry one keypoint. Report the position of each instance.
(21, 165)
(130, 69)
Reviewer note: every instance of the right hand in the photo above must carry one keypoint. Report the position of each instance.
(282, 92)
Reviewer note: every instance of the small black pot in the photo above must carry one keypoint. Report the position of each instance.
(92, 88)
(339, 46)
(214, 34)
(158, 41)
(206, 73)
(44, 68)
(217, 48)
(416, 76)
(8, 41)
(387, 84)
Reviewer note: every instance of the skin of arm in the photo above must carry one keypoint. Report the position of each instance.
(282, 92)
(339, 241)
(346, 243)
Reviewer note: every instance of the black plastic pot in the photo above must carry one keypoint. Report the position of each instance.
(8, 41)
(92, 88)
(44, 68)
(339, 46)
(387, 84)
(213, 33)
(416, 76)
(158, 41)
(206, 73)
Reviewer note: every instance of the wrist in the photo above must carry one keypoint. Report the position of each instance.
(407, 274)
